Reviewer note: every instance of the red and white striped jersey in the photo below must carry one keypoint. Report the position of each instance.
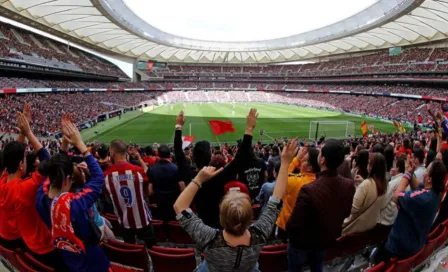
(124, 184)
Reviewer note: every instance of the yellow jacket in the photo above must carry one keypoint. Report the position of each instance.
(295, 183)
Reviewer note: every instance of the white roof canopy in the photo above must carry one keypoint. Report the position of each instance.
(112, 26)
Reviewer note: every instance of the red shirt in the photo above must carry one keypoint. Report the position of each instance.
(444, 145)
(8, 222)
(124, 184)
(402, 150)
(149, 160)
(32, 228)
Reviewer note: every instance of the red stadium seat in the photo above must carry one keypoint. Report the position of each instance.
(441, 239)
(275, 247)
(392, 268)
(172, 262)
(160, 230)
(177, 234)
(23, 265)
(37, 264)
(273, 261)
(435, 232)
(116, 227)
(135, 258)
(9, 255)
(120, 268)
(172, 251)
(406, 264)
(428, 249)
(377, 268)
(123, 245)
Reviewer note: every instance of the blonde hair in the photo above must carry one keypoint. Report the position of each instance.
(235, 213)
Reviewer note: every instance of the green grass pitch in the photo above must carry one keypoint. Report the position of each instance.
(278, 120)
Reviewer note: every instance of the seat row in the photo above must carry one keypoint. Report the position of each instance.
(436, 240)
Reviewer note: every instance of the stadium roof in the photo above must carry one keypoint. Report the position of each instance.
(111, 26)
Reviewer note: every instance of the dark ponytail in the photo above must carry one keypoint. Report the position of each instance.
(57, 169)
(437, 173)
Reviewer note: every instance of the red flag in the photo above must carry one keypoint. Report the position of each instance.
(187, 141)
(220, 127)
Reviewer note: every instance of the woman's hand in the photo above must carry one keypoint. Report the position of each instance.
(410, 164)
(181, 119)
(73, 136)
(23, 124)
(207, 173)
(289, 151)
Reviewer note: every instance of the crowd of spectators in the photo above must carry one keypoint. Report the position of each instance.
(48, 106)
(17, 42)
(380, 182)
(96, 103)
(410, 60)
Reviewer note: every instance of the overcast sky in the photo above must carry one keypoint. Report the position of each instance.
(243, 20)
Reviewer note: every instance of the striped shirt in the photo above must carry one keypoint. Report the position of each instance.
(124, 184)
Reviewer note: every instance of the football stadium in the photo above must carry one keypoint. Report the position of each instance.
(246, 136)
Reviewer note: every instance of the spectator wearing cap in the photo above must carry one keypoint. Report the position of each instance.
(165, 184)
(321, 207)
(236, 186)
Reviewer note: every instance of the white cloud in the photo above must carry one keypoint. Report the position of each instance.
(243, 20)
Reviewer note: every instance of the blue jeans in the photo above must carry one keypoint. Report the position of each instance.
(203, 268)
(298, 258)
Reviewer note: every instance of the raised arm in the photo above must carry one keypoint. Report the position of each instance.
(297, 161)
(67, 117)
(92, 190)
(184, 200)
(288, 153)
(267, 219)
(21, 138)
(179, 154)
(408, 179)
(133, 151)
(244, 152)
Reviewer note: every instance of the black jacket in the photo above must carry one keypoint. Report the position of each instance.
(208, 198)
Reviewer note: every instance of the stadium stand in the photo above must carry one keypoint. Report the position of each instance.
(20, 44)
(90, 105)
(411, 60)
(373, 84)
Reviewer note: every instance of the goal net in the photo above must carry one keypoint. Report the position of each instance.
(331, 129)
